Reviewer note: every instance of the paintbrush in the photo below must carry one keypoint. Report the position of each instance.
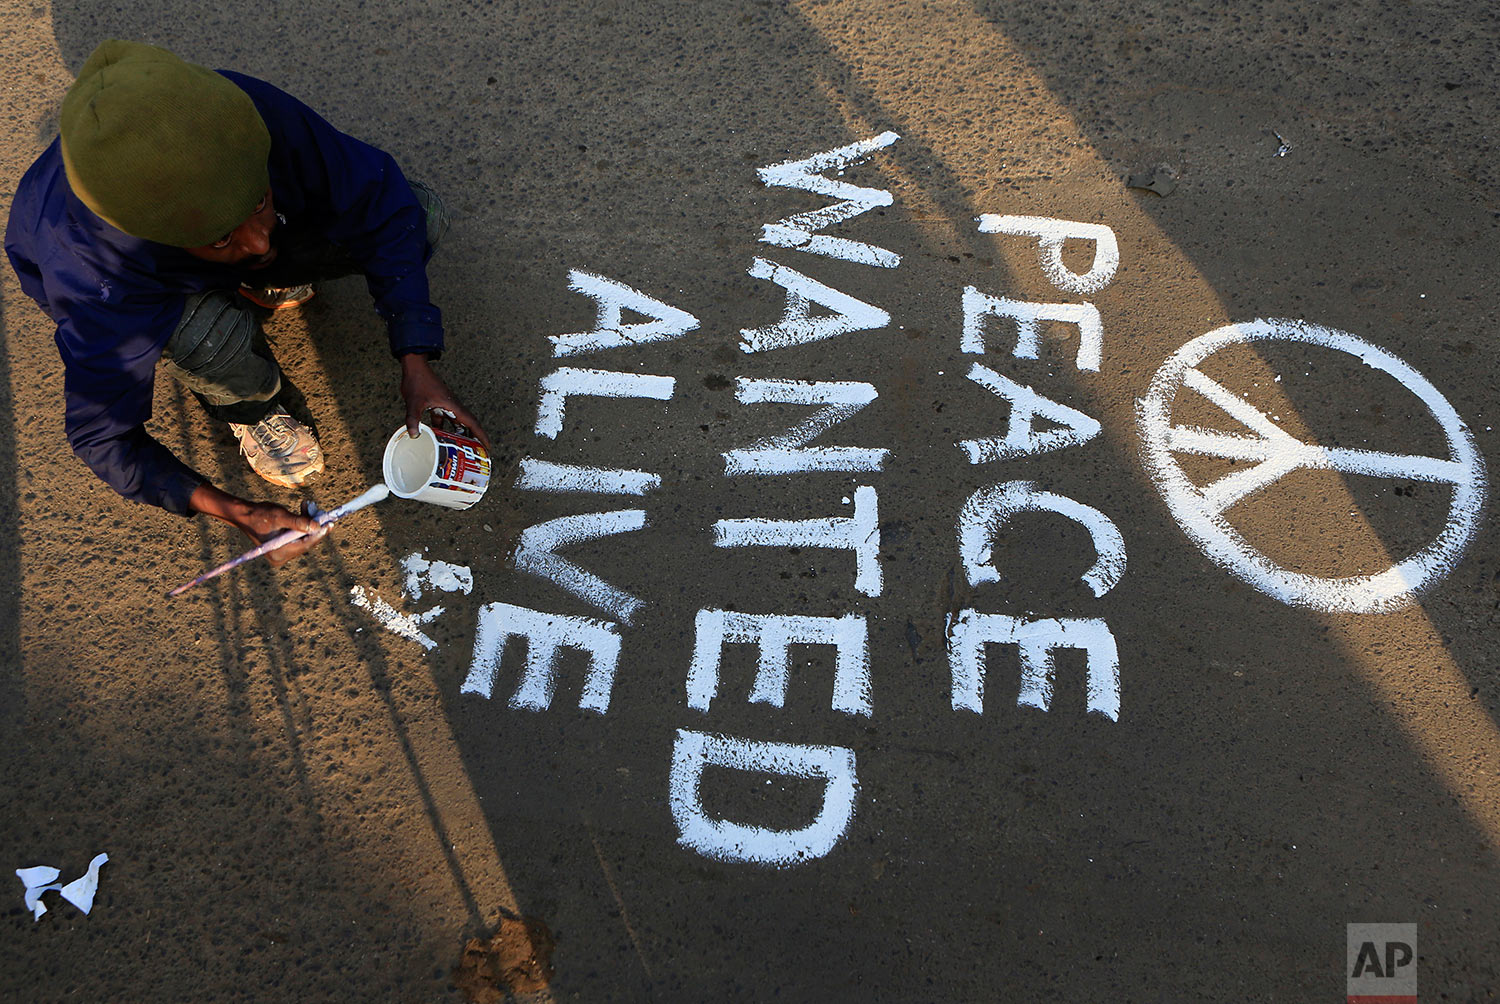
(373, 495)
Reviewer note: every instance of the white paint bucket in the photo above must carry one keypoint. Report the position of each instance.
(438, 466)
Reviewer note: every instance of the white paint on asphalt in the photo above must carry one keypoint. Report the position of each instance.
(613, 298)
(744, 843)
(1037, 639)
(408, 626)
(1200, 510)
(567, 381)
(1050, 234)
(545, 635)
(988, 510)
(787, 452)
(1029, 318)
(547, 476)
(1021, 438)
(799, 231)
(859, 533)
(535, 555)
(774, 635)
(440, 575)
(797, 326)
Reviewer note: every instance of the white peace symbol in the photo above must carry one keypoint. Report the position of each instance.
(1200, 511)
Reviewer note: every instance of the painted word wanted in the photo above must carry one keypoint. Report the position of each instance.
(791, 453)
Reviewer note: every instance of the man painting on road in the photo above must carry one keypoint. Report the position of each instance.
(177, 205)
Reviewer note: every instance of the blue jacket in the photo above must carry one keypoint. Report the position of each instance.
(117, 299)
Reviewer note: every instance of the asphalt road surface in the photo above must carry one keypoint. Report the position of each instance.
(1063, 570)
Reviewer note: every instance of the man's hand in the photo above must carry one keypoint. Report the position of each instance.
(260, 521)
(425, 391)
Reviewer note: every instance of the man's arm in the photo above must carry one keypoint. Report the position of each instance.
(109, 352)
(107, 407)
(107, 383)
(425, 391)
(354, 195)
(259, 520)
(357, 196)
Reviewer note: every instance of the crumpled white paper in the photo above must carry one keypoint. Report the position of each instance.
(43, 878)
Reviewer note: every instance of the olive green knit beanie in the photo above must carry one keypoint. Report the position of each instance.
(163, 149)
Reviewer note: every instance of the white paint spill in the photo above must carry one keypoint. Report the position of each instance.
(1200, 510)
(609, 332)
(970, 631)
(1021, 439)
(1050, 234)
(421, 575)
(798, 231)
(546, 476)
(537, 544)
(989, 509)
(566, 381)
(728, 841)
(545, 635)
(797, 326)
(408, 626)
(775, 634)
(439, 575)
(788, 453)
(1029, 318)
(43, 878)
(859, 533)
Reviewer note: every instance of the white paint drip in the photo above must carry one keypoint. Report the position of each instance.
(537, 544)
(1021, 439)
(545, 635)
(775, 634)
(378, 492)
(859, 533)
(787, 452)
(546, 476)
(797, 231)
(1029, 318)
(989, 509)
(408, 626)
(1200, 510)
(723, 840)
(566, 381)
(439, 575)
(970, 631)
(613, 297)
(1050, 234)
(797, 326)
